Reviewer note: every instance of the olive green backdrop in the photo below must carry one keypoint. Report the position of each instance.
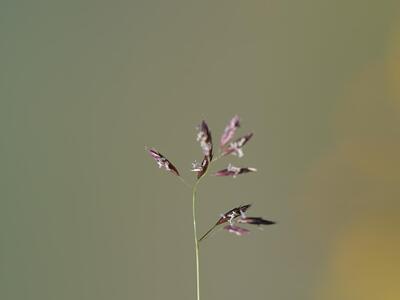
(85, 85)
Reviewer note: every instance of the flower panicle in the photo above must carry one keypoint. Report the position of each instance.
(162, 161)
(233, 219)
(235, 216)
(228, 217)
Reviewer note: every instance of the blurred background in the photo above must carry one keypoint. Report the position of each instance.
(85, 85)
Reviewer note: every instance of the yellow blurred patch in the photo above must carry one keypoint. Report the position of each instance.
(365, 262)
(353, 190)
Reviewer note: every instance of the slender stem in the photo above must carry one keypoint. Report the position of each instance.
(196, 240)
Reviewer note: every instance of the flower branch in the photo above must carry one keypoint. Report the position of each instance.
(233, 217)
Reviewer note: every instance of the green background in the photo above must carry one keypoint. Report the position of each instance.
(85, 85)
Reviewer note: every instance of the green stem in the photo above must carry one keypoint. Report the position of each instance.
(196, 240)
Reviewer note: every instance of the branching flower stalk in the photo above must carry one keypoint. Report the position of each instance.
(232, 217)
